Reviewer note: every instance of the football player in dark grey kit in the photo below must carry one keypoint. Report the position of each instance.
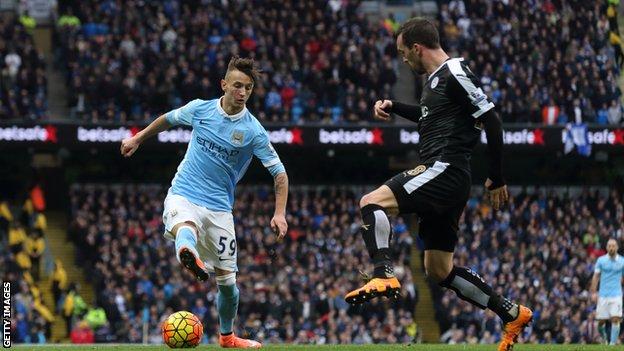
(452, 112)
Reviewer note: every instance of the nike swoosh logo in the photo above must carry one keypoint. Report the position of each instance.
(225, 259)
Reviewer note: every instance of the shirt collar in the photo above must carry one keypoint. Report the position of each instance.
(225, 114)
(442, 65)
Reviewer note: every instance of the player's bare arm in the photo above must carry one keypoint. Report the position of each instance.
(593, 289)
(278, 222)
(495, 187)
(130, 145)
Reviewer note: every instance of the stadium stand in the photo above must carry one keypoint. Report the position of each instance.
(550, 238)
(21, 239)
(23, 87)
(323, 60)
(540, 61)
(294, 296)
(541, 251)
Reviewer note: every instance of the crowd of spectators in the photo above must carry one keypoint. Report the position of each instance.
(324, 61)
(540, 61)
(294, 296)
(21, 249)
(539, 251)
(23, 89)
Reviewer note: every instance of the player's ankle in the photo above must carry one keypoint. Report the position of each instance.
(384, 271)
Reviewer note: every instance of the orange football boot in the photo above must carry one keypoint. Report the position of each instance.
(233, 341)
(389, 287)
(513, 329)
(193, 264)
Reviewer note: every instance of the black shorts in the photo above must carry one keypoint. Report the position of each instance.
(437, 193)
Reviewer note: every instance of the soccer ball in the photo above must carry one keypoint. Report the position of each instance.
(182, 329)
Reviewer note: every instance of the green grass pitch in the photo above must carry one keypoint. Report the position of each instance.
(419, 347)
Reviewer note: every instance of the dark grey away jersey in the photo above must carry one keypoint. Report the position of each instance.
(451, 102)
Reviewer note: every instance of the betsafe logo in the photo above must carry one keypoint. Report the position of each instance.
(177, 135)
(605, 136)
(37, 133)
(105, 135)
(362, 136)
(286, 136)
(520, 137)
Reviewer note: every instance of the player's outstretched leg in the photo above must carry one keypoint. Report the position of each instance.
(469, 286)
(227, 305)
(186, 251)
(377, 234)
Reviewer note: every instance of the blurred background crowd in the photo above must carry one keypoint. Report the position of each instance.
(540, 251)
(294, 295)
(541, 62)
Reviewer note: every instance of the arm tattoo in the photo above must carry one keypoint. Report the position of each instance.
(280, 182)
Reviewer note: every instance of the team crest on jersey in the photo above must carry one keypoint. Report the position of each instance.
(238, 137)
(416, 171)
(434, 82)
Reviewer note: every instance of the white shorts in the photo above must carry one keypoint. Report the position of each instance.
(609, 307)
(216, 244)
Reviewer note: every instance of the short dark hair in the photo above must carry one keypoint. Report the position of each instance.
(419, 30)
(245, 65)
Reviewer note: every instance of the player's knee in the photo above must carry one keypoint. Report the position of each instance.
(365, 200)
(187, 224)
(226, 279)
(369, 199)
(437, 273)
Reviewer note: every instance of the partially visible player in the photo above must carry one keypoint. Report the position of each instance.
(609, 272)
(452, 112)
(198, 207)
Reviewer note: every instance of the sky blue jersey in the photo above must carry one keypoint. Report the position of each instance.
(219, 152)
(611, 272)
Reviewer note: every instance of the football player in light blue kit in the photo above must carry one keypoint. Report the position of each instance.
(609, 271)
(198, 208)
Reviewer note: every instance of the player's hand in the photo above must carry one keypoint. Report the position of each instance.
(382, 109)
(279, 226)
(496, 196)
(129, 146)
(594, 297)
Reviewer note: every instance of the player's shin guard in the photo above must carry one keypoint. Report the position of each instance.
(469, 286)
(377, 234)
(615, 333)
(227, 305)
(185, 237)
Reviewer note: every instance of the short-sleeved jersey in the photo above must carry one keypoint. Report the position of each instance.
(611, 273)
(219, 152)
(451, 102)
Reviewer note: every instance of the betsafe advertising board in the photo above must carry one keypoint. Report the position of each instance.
(72, 135)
